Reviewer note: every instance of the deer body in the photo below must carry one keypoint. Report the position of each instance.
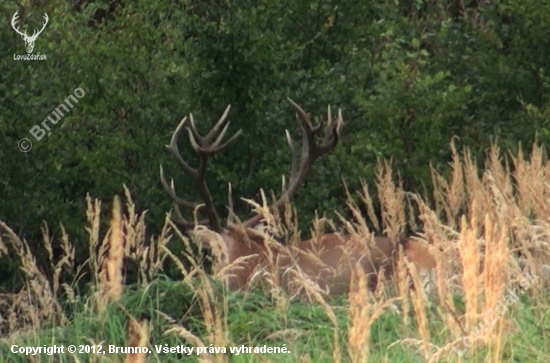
(329, 260)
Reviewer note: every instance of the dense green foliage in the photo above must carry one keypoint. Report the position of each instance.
(408, 75)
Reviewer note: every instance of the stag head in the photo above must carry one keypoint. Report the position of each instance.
(29, 40)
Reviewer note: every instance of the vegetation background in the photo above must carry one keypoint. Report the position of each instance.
(409, 76)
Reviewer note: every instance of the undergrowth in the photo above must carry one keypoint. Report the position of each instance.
(485, 231)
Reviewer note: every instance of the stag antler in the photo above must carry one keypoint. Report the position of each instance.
(310, 153)
(205, 147)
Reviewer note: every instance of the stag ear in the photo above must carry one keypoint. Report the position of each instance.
(212, 241)
(206, 238)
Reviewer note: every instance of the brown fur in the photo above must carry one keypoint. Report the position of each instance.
(328, 261)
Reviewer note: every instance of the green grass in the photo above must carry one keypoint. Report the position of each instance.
(253, 320)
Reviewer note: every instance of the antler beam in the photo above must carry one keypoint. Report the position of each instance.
(205, 147)
(311, 151)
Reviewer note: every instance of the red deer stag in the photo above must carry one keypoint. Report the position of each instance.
(328, 261)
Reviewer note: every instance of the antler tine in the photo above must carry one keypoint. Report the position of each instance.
(231, 212)
(177, 202)
(216, 147)
(311, 151)
(204, 147)
(294, 166)
(332, 132)
(173, 148)
(204, 141)
(331, 137)
(197, 138)
(181, 220)
(222, 122)
(172, 192)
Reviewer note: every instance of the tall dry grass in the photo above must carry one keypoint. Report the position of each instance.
(485, 231)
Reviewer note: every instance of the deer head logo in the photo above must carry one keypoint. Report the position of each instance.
(29, 41)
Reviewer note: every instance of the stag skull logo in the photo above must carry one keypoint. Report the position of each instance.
(29, 40)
